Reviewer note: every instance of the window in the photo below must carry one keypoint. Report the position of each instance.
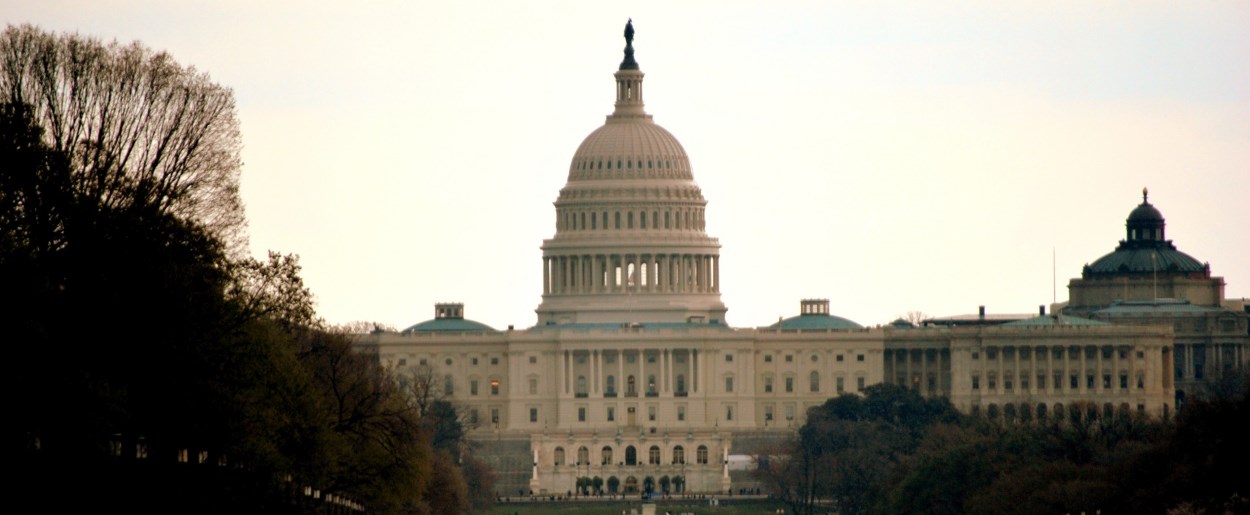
(789, 358)
(606, 455)
(838, 358)
(494, 415)
(815, 358)
(611, 414)
(447, 362)
(583, 456)
(403, 362)
(789, 412)
(976, 382)
(1041, 381)
(631, 389)
(449, 385)
(679, 455)
(1007, 381)
(768, 358)
(1058, 381)
(423, 362)
(729, 358)
(768, 412)
(729, 412)
(473, 387)
(610, 386)
(1073, 382)
(1024, 381)
(473, 361)
(494, 361)
(559, 456)
(789, 384)
(859, 357)
(681, 413)
(473, 416)
(581, 413)
(976, 355)
(1141, 381)
(651, 413)
(533, 415)
(768, 384)
(859, 384)
(533, 386)
(651, 386)
(653, 455)
(729, 384)
(494, 387)
(700, 455)
(533, 360)
(581, 386)
(992, 380)
(1089, 381)
(841, 384)
(681, 384)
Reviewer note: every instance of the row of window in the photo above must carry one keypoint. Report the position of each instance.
(1088, 411)
(1008, 381)
(813, 383)
(624, 164)
(610, 413)
(1073, 352)
(631, 386)
(768, 358)
(403, 362)
(681, 219)
(607, 456)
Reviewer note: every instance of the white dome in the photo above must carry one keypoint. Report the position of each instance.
(630, 148)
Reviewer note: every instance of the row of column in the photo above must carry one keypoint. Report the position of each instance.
(917, 372)
(596, 376)
(631, 273)
(1049, 365)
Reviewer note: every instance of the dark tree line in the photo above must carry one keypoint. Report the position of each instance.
(892, 451)
(132, 315)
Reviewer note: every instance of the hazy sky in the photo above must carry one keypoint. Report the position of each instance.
(888, 156)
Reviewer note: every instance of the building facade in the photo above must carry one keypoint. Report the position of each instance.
(631, 374)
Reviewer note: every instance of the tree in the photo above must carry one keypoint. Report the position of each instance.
(138, 130)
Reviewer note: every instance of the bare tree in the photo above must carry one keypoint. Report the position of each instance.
(139, 131)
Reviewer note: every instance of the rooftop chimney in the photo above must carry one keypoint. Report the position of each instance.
(981, 313)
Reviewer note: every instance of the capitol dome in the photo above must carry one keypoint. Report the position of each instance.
(630, 245)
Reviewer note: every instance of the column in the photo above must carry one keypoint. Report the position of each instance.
(716, 273)
(695, 375)
(664, 371)
(546, 275)
(594, 373)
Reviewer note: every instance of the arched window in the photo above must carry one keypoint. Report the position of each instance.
(610, 386)
(655, 219)
(679, 455)
(583, 456)
(653, 455)
(814, 381)
(630, 220)
(559, 456)
(642, 220)
(701, 455)
(606, 453)
(631, 456)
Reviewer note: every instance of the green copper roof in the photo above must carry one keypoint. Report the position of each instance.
(816, 321)
(440, 325)
(1050, 320)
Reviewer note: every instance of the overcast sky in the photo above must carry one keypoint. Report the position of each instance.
(888, 156)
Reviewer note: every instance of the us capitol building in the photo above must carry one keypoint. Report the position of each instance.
(632, 375)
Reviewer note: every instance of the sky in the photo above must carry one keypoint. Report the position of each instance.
(888, 156)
